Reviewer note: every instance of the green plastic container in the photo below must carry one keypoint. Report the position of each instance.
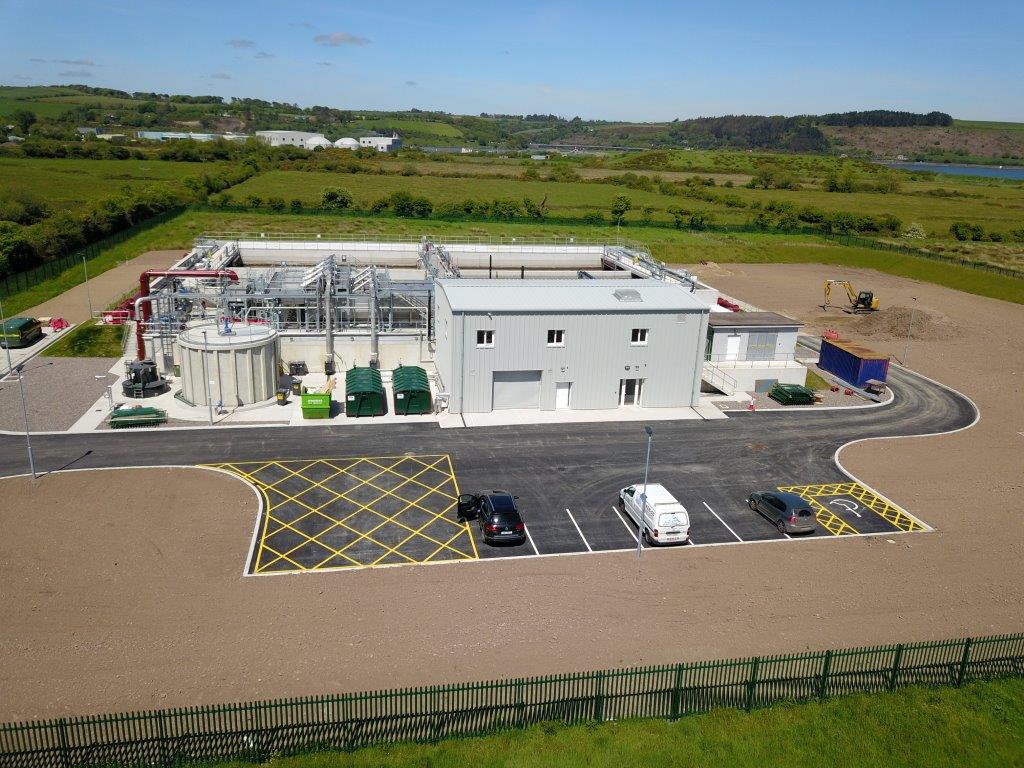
(792, 394)
(364, 392)
(136, 417)
(316, 406)
(412, 390)
(19, 332)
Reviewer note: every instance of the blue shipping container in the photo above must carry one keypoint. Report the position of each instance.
(852, 363)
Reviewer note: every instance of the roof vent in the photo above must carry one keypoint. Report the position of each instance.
(627, 294)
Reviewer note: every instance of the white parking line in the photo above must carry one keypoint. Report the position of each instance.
(722, 521)
(628, 529)
(528, 536)
(587, 543)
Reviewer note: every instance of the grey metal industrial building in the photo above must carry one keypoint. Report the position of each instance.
(579, 344)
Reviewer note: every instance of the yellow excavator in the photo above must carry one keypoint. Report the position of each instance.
(860, 303)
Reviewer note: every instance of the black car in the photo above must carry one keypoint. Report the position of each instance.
(497, 514)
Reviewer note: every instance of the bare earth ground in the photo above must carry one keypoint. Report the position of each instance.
(116, 600)
(104, 289)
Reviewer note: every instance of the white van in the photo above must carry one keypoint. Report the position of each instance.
(665, 520)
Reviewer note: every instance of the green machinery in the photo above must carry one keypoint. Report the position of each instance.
(19, 332)
(138, 416)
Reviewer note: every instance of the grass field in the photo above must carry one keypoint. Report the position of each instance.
(669, 245)
(88, 340)
(996, 207)
(989, 125)
(418, 127)
(68, 184)
(977, 725)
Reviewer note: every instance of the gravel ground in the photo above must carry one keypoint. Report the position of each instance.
(58, 390)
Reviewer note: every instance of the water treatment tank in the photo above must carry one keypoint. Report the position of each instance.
(241, 366)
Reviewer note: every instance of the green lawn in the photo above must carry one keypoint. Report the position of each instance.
(989, 124)
(669, 245)
(977, 725)
(419, 127)
(68, 184)
(90, 339)
(995, 206)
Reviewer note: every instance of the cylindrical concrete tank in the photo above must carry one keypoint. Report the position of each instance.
(241, 366)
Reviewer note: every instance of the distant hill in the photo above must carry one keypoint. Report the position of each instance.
(874, 133)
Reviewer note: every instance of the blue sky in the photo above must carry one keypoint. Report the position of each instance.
(639, 60)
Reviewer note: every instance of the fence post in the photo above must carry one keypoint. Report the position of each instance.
(965, 659)
(65, 751)
(752, 682)
(894, 674)
(677, 692)
(520, 707)
(599, 698)
(825, 669)
(161, 732)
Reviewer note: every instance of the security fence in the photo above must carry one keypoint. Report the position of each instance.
(24, 280)
(257, 730)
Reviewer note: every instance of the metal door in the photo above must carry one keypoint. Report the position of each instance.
(562, 389)
(516, 389)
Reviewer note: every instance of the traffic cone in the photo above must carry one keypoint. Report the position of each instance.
(751, 407)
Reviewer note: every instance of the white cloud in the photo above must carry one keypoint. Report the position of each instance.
(38, 61)
(335, 39)
(241, 43)
(410, 82)
(220, 76)
(264, 55)
(324, 63)
(75, 73)
(78, 62)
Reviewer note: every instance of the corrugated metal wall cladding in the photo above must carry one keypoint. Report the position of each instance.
(850, 367)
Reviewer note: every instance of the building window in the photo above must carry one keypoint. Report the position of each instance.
(761, 346)
(639, 337)
(556, 338)
(485, 339)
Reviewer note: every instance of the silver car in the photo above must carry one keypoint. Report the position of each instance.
(787, 511)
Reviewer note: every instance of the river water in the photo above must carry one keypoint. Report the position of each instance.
(992, 171)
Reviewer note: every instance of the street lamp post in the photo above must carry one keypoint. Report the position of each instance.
(643, 496)
(7, 348)
(209, 396)
(88, 296)
(910, 330)
(28, 434)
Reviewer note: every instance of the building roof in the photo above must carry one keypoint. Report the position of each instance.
(561, 296)
(752, 320)
(855, 349)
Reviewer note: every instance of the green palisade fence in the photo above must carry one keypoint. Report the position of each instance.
(24, 280)
(257, 730)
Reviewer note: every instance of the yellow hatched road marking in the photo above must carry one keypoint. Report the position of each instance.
(267, 556)
(892, 514)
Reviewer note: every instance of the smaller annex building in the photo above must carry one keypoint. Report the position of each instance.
(754, 351)
(568, 344)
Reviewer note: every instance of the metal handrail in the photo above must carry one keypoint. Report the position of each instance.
(349, 237)
(781, 357)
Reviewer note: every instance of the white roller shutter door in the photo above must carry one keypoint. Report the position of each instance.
(516, 389)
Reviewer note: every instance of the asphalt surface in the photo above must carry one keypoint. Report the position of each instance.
(567, 476)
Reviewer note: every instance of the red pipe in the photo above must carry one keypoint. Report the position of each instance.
(147, 309)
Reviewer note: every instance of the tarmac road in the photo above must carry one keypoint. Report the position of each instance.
(567, 476)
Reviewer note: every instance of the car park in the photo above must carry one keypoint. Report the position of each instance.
(659, 517)
(789, 512)
(497, 514)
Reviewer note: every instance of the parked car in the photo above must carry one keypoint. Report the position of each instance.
(663, 520)
(497, 514)
(787, 511)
